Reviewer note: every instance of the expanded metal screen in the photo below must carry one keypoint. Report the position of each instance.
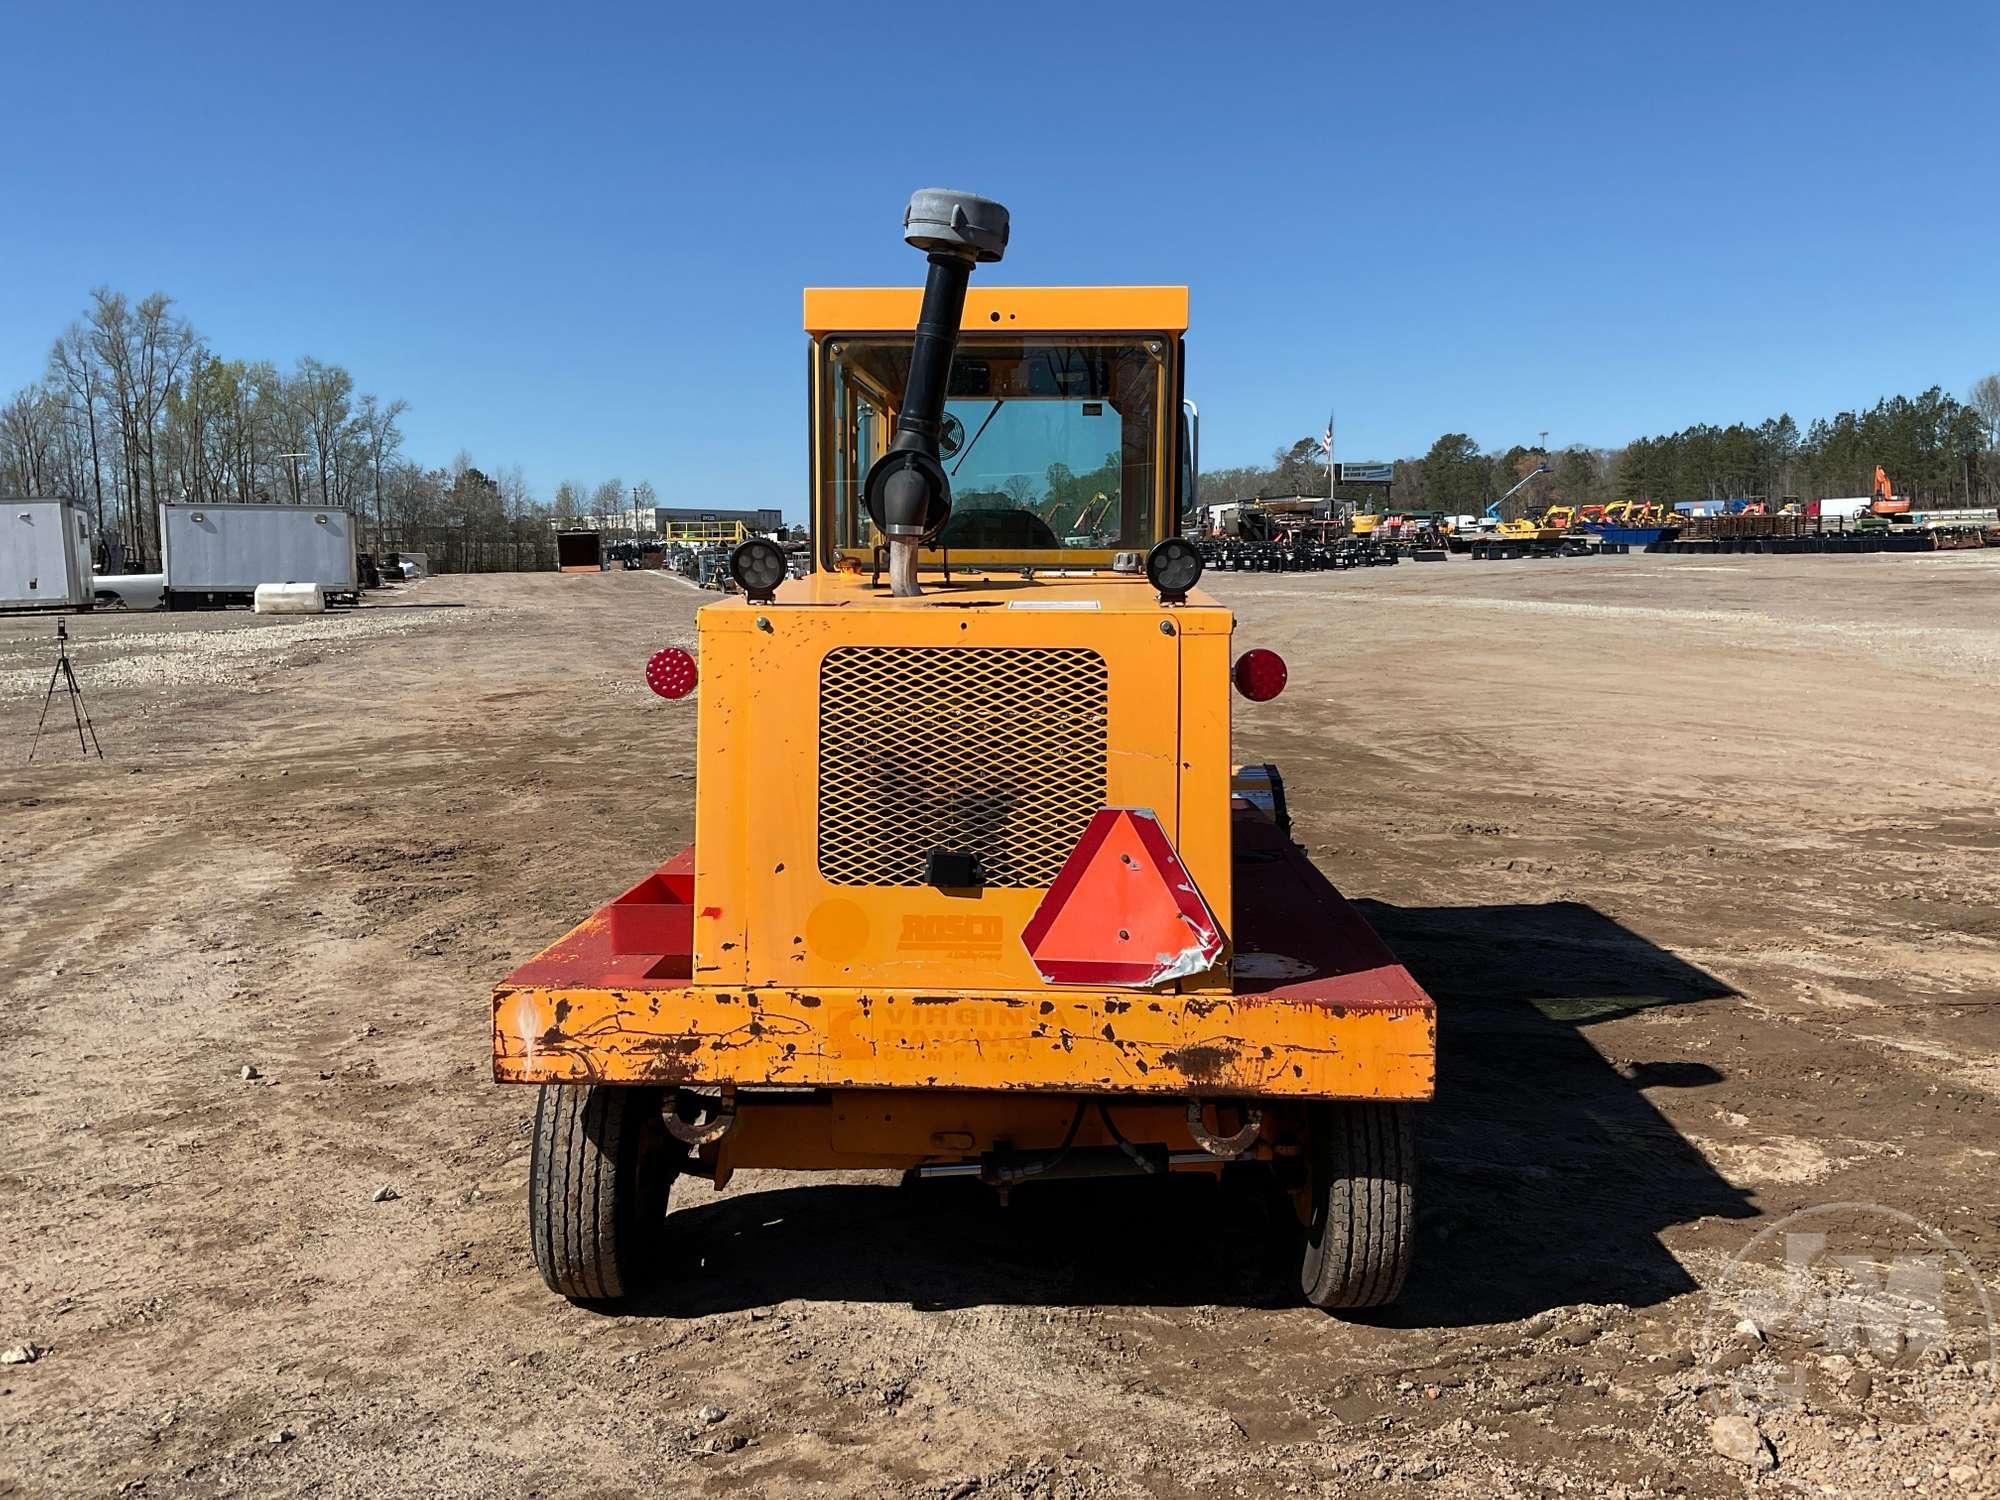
(996, 751)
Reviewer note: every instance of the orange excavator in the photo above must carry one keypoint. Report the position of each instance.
(1886, 502)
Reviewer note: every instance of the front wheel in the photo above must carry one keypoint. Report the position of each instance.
(1360, 1204)
(597, 1190)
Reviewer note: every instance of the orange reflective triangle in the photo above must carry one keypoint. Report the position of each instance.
(1123, 910)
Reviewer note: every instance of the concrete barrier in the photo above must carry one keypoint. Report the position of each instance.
(289, 599)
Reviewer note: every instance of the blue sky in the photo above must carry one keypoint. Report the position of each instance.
(573, 237)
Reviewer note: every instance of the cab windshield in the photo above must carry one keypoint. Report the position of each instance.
(1053, 446)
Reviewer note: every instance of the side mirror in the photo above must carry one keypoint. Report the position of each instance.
(1190, 457)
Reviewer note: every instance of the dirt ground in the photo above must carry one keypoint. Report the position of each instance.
(1701, 858)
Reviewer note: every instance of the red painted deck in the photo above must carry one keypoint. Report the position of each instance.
(1287, 914)
(1286, 908)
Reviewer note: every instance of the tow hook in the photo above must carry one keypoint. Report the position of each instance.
(719, 1117)
(1226, 1146)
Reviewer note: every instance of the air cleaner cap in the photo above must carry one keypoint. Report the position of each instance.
(955, 222)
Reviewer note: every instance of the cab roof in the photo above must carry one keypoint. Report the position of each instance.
(1029, 309)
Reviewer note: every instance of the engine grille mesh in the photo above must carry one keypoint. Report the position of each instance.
(996, 750)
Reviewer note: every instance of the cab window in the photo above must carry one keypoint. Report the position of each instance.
(1054, 446)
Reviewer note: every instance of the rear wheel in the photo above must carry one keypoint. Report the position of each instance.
(1360, 1204)
(597, 1190)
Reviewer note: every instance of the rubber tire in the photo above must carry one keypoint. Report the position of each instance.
(1362, 1164)
(597, 1191)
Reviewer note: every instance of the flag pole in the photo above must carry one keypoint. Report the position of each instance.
(1329, 464)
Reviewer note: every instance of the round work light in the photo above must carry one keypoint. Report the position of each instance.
(1173, 567)
(758, 566)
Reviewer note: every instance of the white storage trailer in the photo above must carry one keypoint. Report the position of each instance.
(215, 555)
(44, 554)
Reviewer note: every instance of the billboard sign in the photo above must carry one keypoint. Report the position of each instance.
(1367, 473)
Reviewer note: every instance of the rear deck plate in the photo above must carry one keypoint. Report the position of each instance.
(1340, 1018)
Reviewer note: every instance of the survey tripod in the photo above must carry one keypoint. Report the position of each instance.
(64, 676)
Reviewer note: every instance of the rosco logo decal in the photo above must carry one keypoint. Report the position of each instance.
(959, 937)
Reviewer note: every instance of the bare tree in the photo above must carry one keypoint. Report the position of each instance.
(607, 501)
(265, 427)
(74, 370)
(514, 491)
(141, 351)
(165, 345)
(336, 439)
(384, 440)
(204, 437)
(134, 410)
(28, 426)
(75, 470)
(109, 333)
(1984, 398)
(288, 419)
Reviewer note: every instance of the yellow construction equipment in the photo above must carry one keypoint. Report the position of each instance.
(976, 887)
(705, 533)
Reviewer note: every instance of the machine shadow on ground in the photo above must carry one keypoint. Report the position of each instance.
(1547, 1173)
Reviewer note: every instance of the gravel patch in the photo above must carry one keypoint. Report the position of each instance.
(221, 655)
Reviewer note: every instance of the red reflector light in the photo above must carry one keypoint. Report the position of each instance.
(1260, 675)
(671, 673)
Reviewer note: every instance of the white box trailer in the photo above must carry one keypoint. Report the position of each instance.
(216, 555)
(44, 554)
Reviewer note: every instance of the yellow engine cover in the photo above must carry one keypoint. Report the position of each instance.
(845, 734)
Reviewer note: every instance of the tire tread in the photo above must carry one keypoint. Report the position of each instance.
(1358, 1245)
(597, 1187)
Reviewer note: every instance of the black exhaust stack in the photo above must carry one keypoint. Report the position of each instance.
(908, 494)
